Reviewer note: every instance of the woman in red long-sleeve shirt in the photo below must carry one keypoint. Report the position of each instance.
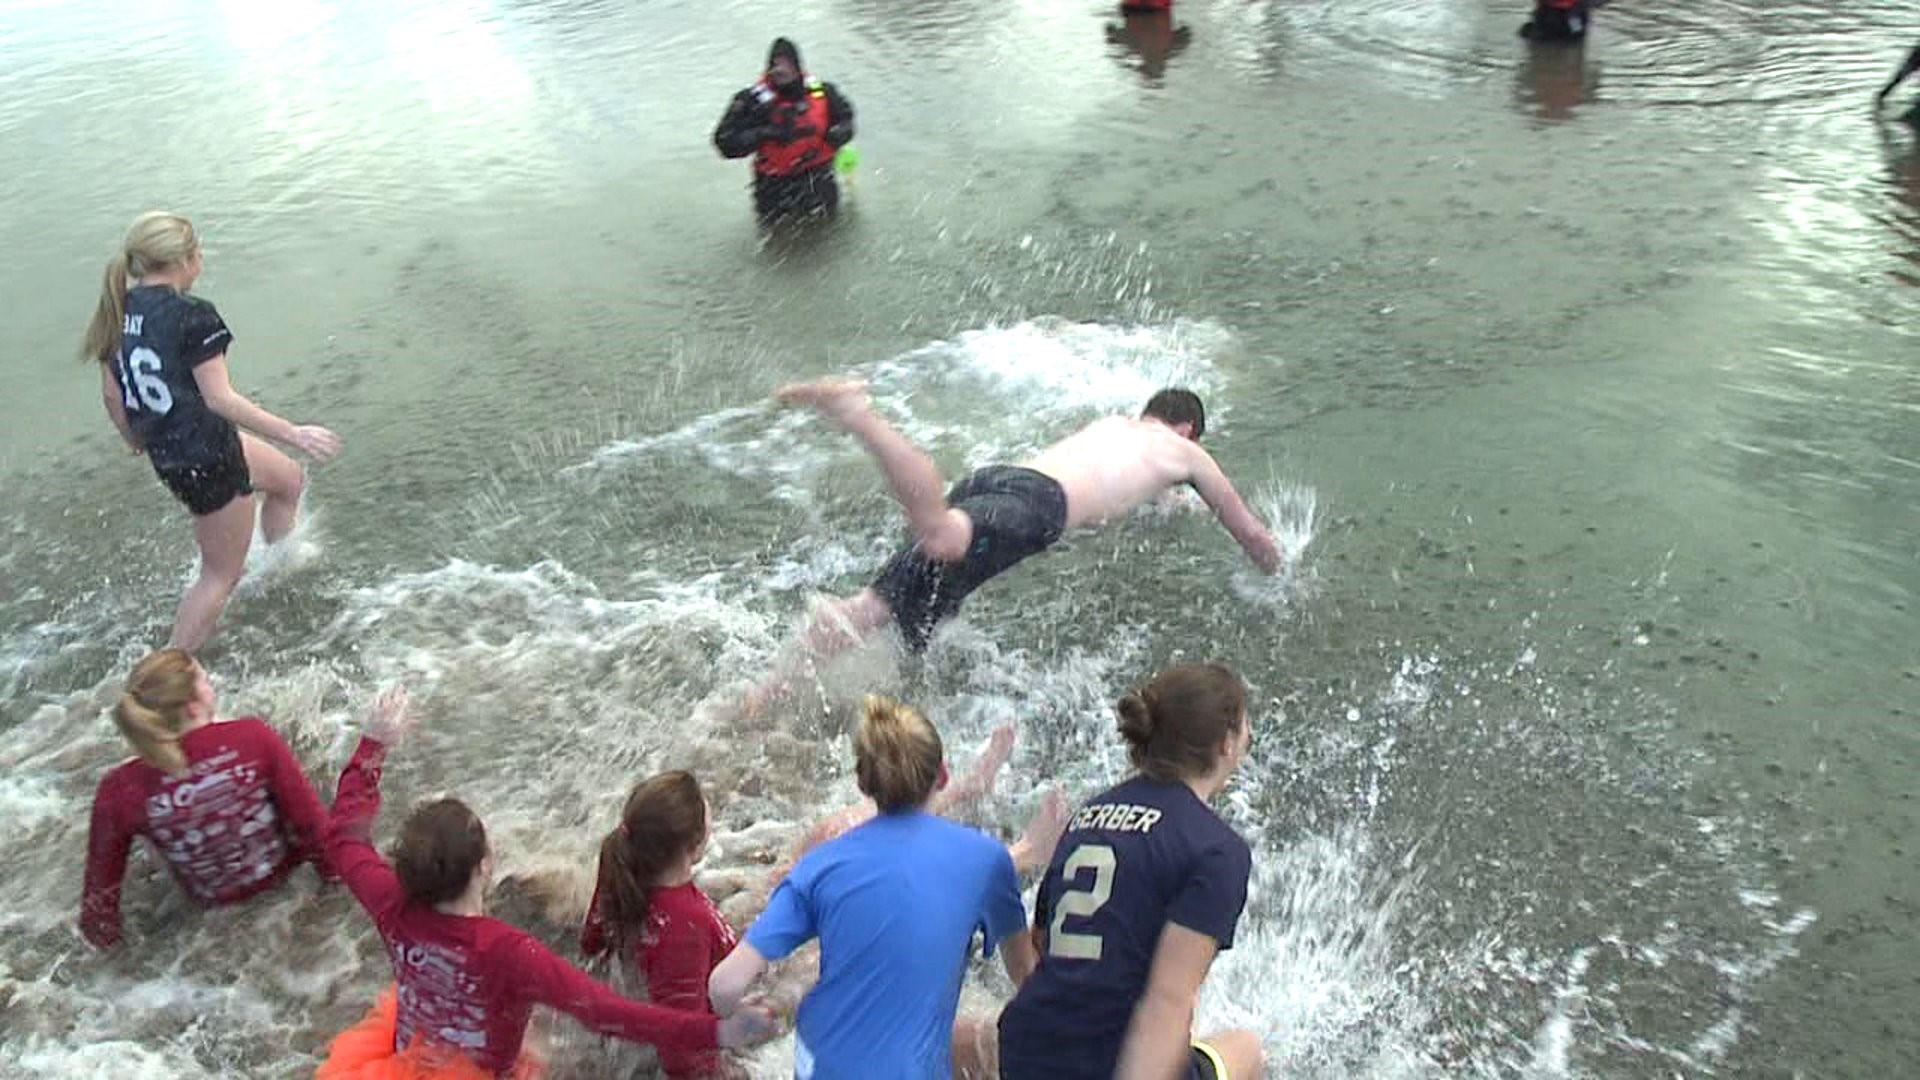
(646, 907)
(223, 802)
(465, 983)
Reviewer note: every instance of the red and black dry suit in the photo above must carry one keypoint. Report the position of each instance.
(792, 131)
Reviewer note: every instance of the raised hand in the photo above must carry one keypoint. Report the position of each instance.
(389, 720)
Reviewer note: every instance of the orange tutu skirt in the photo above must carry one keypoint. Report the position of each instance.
(365, 1052)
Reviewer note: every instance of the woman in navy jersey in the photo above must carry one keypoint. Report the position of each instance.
(223, 802)
(163, 378)
(1145, 888)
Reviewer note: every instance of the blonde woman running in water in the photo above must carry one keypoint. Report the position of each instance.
(163, 378)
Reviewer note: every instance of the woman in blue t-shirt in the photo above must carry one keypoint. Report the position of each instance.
(896, 903)
(163, 378)
(1144, 889)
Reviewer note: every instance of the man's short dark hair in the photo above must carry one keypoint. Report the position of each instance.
(1176, 406)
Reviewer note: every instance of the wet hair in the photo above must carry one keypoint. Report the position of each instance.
(440, 844)
(1175, 724)
(664, 819)
(156, 240)
(152, 709)
(896, 755)
(1177, 406)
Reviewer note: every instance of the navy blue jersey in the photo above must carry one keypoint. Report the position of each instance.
(1139, 856)
(165, 336)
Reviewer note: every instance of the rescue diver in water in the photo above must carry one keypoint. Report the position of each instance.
(792, 125)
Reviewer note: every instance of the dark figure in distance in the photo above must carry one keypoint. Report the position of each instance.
(1559, 20)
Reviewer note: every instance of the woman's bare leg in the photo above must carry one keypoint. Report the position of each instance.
(224, 537)
(279, 480)
(1246, 1059)
(963, 795)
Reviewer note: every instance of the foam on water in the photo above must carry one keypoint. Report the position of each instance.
(999, 392)
(1291, 512)
(269, 564)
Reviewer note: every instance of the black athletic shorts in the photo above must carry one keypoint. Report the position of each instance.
(214, 481)
(1016, 512)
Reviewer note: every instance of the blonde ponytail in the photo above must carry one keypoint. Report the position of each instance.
(152, 710)
(896, 754)
(103, 334)
(156, 240)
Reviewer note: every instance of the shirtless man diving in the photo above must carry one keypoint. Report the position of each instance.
(1001, 514)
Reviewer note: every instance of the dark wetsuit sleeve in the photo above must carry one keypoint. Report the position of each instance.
(741, 129)
(204, 335)
(839, 117)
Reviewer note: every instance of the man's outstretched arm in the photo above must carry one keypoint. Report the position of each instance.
(1212, 484)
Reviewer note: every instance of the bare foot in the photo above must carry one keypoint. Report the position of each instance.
(1034, 850)
(836, 399)
(978, 783)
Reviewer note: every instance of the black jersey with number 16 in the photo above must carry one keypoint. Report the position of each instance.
(165, 336)
(1133, 859)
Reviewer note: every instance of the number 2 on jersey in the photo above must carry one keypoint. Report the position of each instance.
(1081, 902)
(140, 382)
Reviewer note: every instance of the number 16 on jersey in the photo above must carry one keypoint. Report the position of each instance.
(140, 382)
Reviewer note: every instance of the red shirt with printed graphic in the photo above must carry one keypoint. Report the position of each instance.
(684, 939)
(469, 982)
(233, 826)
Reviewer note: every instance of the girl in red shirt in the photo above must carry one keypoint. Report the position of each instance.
(224, 803)
(465, 984)
(647, 910)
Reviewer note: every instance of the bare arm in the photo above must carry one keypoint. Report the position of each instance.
(1218, 491)
(116, 408)
(217, 388)
(1017, 953)
(1158, 1038)
(728, 985)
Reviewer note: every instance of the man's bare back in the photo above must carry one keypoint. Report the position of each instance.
(1106, 469)
(1113, 465)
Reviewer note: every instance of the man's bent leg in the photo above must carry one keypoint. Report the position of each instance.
(836, 626)
(943, 532)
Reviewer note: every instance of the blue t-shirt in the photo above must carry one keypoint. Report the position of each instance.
(1138, 856)
(895, 904)
(166, 334)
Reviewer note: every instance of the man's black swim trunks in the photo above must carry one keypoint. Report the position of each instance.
(1016, 512)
